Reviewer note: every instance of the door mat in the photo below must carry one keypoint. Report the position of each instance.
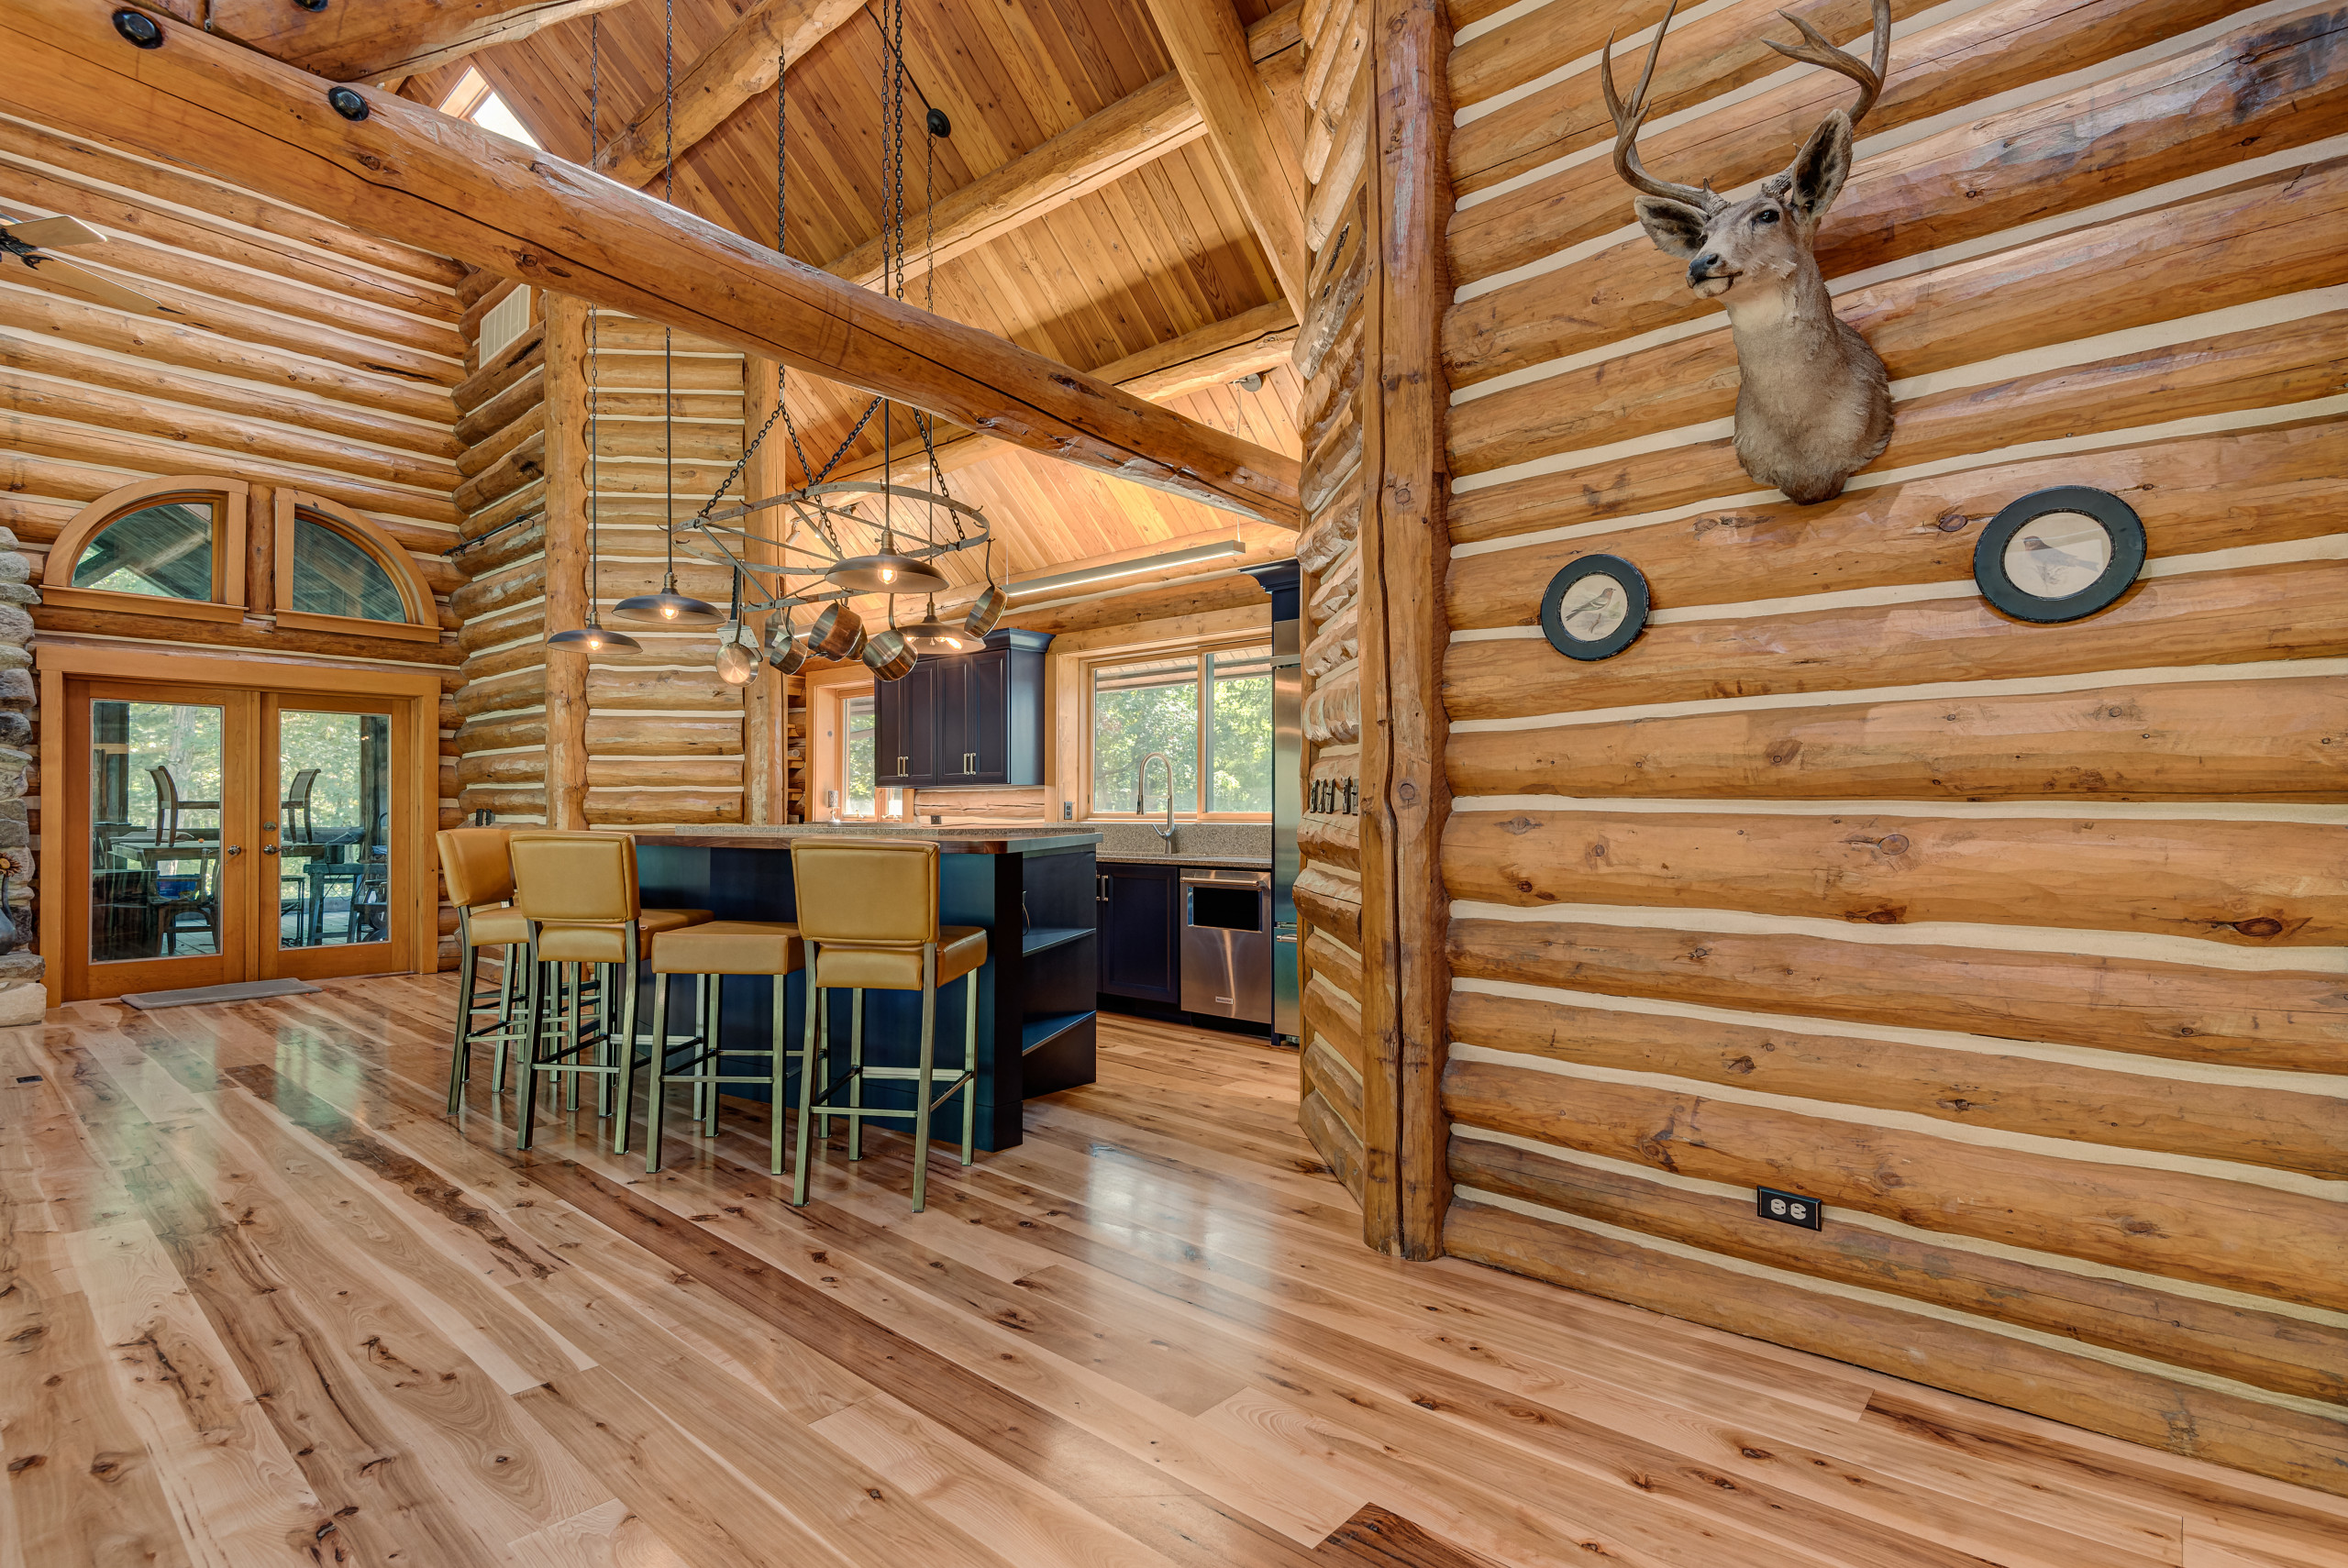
(242, 990)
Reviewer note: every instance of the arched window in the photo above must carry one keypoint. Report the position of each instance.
(339, 573)
(169, 546)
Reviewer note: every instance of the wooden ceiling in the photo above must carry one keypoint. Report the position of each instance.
(1160, 252)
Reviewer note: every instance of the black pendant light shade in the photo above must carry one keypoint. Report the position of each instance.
(668, 608)
(932, 637)
(592, 638)
(886, 574)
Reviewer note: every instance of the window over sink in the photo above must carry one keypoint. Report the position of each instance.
(1209, 710)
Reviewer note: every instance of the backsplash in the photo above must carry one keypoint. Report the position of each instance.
(1218, 840)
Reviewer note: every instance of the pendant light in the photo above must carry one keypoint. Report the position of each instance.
(668, 607)
(931, 636)
(592, 637)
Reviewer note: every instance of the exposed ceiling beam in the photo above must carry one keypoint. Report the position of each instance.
(1221, 351)
(411, 174)
(1136, 130)
(368, 41)
(1258, 154)
(738, 67)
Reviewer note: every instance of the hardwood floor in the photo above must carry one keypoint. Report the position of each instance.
(265, 1303)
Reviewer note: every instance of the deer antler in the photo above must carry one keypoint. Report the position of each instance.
(1628, 118)
(1817, 50)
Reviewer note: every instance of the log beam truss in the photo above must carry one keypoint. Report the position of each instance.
(408, 172)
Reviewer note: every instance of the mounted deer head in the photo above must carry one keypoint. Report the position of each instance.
(1812, 405)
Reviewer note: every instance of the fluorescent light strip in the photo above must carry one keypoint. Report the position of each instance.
(1110, 572)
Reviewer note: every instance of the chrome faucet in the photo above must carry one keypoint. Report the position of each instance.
(1141, 794)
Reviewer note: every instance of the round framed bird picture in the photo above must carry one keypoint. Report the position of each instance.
(1595, 607)
(2059, 555)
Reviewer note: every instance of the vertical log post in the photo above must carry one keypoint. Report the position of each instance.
(567, 502)
(1405, 552)
(766, 705)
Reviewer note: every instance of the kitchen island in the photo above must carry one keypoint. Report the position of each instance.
(1030, 888)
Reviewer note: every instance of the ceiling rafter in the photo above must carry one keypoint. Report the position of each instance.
(738, 67)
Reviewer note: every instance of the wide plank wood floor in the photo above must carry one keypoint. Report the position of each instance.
(265, 1303)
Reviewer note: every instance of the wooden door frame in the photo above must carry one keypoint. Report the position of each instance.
(415, 716)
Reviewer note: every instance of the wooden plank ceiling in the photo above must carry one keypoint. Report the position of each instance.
(1162, 251)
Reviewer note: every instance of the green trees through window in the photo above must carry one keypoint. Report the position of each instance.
(1210, 713)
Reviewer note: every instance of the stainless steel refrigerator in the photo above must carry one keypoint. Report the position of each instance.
(1281, 579)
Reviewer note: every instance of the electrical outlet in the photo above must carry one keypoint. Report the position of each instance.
(1067, 810)
(1790, 1208)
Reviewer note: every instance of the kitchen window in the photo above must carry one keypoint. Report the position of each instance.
(858, 726)
(1210, 711)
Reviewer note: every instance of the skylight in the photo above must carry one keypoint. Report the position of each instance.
(474, 99)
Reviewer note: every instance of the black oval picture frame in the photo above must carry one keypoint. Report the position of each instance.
(2120, 525)
(1633, 583)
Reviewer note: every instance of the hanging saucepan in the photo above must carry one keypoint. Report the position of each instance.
(888, 655)
(784, 650)
(838, 632)
(987, 611)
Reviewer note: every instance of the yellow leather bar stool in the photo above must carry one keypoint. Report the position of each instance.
(578, 892)
(709, 953)
(868, 912)
(480, 874)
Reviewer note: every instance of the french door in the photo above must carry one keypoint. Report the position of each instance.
(218, 833)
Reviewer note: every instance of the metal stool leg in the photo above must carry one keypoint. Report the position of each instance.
(778, 1066)
(712, 1064)
(460, 1063)
(855, 1074)
(928, 1066)
(811, 1066)
(656, 1108)
(632, 972)
(969, 1063)
(526, 1090)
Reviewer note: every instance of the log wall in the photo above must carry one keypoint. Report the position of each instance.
(2017, 945)
(295, 354)
(645, 739)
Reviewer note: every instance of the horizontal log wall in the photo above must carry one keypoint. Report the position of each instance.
(662, 739)
(2018, 946)
(295, 355)
(1335, 1096)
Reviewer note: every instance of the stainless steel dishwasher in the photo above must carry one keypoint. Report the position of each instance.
(1227, 943)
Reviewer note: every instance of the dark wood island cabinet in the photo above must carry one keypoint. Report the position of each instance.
(1034, 891)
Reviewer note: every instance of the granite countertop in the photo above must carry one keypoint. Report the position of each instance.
(951, 840)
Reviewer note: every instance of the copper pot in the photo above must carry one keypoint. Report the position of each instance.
(837, 632)
(986, 611)
(784, 650)
(890, 655)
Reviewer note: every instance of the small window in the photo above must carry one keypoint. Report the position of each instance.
(333, 575)
(164, 549)
(858, 772)
(174, 545)
(338, 571)
(472, 98)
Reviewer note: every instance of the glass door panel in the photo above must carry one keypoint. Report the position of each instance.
(157, 898)
(334, 839)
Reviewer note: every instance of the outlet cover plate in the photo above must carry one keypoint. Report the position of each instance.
(1790, 1208)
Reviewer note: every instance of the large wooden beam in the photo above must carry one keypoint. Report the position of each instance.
(1131, 133)
(408, 171)
(1267, 174)
(738, 67)
(369, 41)
(1221, 351)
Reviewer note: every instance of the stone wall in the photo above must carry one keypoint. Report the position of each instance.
(23, 997)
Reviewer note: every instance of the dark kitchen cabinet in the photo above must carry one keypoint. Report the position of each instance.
(974, 718)
(1141, 931)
